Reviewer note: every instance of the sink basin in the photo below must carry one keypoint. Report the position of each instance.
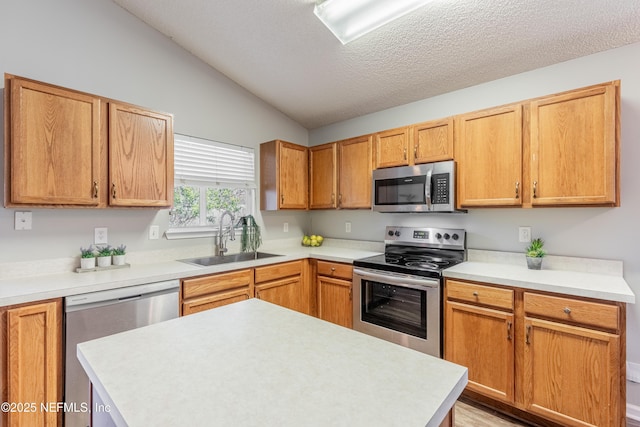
(225, 259)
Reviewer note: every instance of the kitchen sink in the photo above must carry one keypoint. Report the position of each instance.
(225, 259)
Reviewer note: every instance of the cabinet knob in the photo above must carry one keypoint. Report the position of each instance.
(333, 269)
(567, 310)
(475, 293)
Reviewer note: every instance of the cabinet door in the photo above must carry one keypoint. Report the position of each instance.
(34, 348)
(140, 157)
(433, 141)
(392, 148)
(482, 340)
(288, 292)
(335, 301)
(293, 176)
(355, 173)
(571, 374)
(323, 176)
(53, 155)
(574, 141)
(489, 151)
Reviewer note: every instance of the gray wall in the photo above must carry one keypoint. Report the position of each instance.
(608, 233)
(97, 47)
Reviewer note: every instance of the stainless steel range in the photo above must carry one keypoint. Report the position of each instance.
(398, 295)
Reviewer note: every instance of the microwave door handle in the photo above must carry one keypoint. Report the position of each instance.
(427, 189)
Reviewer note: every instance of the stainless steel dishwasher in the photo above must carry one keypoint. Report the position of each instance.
(99, 314)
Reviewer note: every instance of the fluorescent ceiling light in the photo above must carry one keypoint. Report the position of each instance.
(350, 19)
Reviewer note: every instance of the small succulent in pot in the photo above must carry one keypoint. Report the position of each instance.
(87, 252)
(535, 253)
(104, 256)
(120, 250)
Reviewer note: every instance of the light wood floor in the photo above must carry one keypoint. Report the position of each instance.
(469, 415)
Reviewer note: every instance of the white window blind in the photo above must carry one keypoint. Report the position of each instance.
(200, 162)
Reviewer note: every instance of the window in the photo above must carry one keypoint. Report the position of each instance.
(210, 178)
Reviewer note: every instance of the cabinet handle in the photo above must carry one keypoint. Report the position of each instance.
(526, 338)
(567, 310)
(405, 154)
(95, 189)
(475, 293)
(339, 200)
(333, 198)
(282, 199)
(258, 294)
(350, 294)
(415, 152)
(517, 189)
(535, 189)
(509, 331)
(113, 190)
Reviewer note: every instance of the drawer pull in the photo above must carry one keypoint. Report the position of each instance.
(567, 310)
(333, 269)
(475, 293)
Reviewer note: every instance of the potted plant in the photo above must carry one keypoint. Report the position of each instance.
(87, 257)
(535, 253)
(118, 255)
(104, 256)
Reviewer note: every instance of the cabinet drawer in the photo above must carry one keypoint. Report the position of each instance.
(335, 269)
(212, 301)
(595, 314)
(215, 283)
(479, 294)
(278, 271)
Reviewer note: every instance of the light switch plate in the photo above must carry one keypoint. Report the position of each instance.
(23, 221)
(101, 236)
(347, 227)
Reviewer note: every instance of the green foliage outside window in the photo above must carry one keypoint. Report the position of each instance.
(186, 210)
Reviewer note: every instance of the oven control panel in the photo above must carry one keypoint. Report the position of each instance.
(428, 237)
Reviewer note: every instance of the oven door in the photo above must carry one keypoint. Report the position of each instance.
(399, 308)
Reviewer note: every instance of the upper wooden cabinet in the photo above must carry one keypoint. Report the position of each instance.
(52, 145)
(419, 143)
(574, 147)
(356, 167)
(489, 154)
(65, 148)
(323, 176)
(283, 176)
(140, 157)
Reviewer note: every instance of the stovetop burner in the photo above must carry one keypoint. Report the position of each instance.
(418, 251)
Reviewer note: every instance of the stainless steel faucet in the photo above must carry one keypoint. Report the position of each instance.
(221, 241)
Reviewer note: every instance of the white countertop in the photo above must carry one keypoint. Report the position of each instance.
(35, 288)
(577, 283)
(257, 364)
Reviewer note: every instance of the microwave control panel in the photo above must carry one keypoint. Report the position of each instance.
(440, 195)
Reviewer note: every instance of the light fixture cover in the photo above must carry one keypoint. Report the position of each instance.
(350, 19)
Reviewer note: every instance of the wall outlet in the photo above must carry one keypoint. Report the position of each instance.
(347, 227)
(285, 227)
(524, 234)
(23, 220)
(100, 235)
(154, 232)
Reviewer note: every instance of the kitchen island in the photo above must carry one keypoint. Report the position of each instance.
(253, 363)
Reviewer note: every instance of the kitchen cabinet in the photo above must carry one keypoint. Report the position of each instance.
(32, 363)
(334, 292)
(552, 357)
(215, 290)
(285, 284)
(488, 148)
(356, 166)
(392, 147)
(323, 176)
(66, 148)
(574, 147)
(283, 176)
(140, 156)
(426, 142)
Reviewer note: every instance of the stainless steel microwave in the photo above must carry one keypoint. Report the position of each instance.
(430, 187)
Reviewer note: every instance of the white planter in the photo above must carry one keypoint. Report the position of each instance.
(118, 259)
(104, 261)
(87, 262)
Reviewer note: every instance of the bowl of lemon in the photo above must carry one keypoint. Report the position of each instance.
(313, 240)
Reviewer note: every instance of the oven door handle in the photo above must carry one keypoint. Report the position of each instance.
(407, 282)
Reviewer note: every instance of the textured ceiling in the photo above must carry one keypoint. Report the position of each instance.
(279, 50)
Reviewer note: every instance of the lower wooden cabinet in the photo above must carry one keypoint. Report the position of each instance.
(215, 290)
(560, 359)
(32, 363)
(334, 292)
(286, 284)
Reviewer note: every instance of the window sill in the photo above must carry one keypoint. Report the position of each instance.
(195, 233)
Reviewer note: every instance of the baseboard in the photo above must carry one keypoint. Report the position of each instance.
(633, 414)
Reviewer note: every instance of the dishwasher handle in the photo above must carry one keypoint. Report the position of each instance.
(112, 296)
